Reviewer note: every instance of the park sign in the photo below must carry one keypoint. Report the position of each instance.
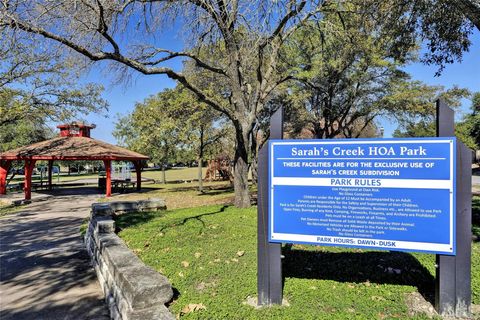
(391, 194)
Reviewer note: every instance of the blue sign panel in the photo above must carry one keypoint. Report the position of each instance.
(394, 194)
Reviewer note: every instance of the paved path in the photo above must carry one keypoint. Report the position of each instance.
(44, 270)
(476, 180)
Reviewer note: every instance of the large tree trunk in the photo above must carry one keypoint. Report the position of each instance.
(254, 169)
(257, 143)
(240, 172)
(240, 182)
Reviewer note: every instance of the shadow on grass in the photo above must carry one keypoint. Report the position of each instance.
(182, 222)
(207, 190)
(133, 219)
(396, 268)
(176, 295)
(476, 218)
(134, 190)
(476, 171)
(215, 192)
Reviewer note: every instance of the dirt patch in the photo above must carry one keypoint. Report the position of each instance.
(417, 305)
(253, 302)
(476, 311)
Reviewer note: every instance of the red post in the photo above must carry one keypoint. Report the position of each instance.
(108, 171)
(4, 167)
(29, 165)
(50, 167)
(138, 171)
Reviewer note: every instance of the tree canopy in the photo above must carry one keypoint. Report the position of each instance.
(171, 126)
(235, 44)
(467, 130)
(38, 84)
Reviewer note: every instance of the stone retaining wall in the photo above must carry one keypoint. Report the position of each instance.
(132, 290)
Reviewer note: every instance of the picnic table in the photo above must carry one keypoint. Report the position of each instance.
(42, 185)
(122, 185)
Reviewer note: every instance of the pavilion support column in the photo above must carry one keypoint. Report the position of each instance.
(4, 167)
(29, 165)
(50, 167)
(138, 171)
(108, 171)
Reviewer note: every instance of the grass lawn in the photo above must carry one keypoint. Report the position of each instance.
(209, 255)
(174, 174)
(177, 195)
(182, 195)
(171, 175)
(6, 209)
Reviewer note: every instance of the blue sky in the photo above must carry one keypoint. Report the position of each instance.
(122, 98)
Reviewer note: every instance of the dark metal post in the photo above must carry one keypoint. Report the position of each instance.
(464, 232)
(452, 282)
(50, 169)
(269, 264)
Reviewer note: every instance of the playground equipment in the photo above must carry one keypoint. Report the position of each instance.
(219, 169)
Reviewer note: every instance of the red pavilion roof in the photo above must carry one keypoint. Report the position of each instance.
(71, 148)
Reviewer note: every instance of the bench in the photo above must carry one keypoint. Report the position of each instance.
(123, 185)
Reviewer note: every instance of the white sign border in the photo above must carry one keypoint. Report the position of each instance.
(427, 247)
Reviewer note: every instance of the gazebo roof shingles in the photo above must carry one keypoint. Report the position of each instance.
(71, 148)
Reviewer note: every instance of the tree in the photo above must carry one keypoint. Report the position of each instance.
(204, 127)
(38, 85)
(424, 125)
(55, 103)
(443, 26)
(150, 131)
(423, 128)
(248, 35)
(346, 71)
(469, 128)
(471, 9)
(168, 123)
(22, 133)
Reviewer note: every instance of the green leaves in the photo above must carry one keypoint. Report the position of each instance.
(346, 71)
(170, 126)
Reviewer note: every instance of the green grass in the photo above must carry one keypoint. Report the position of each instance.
(182, 195)
(174, 174)
(209, 255)
(476, 250)
(6, 209)
(171, 175)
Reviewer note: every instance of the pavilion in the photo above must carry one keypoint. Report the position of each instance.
(73, 143)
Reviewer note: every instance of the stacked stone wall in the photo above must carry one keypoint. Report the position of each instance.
(132, 290)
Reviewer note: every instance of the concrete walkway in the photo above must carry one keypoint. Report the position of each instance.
(44, 268)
